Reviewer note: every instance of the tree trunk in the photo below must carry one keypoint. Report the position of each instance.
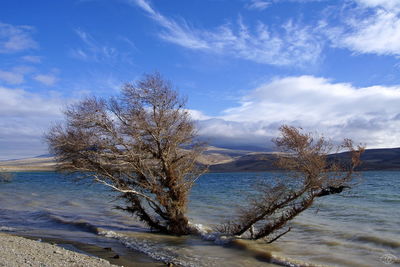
(178, 224)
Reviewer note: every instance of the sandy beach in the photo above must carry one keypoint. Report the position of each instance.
(20, 252)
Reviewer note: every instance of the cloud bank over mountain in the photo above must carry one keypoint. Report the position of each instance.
(368, 114)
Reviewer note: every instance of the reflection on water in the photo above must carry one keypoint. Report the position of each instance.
(356, 228)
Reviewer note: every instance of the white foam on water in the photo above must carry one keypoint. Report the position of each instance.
(186, 257)
(206, 233)
(218, 238)
(155, 251)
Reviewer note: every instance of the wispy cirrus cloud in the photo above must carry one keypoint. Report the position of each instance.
(92, 49)
(16, 38)
(257, 5)
(388, 4)
(368, 27)
(378, 34)
(293, 44)
(179, 33)
(363, 26)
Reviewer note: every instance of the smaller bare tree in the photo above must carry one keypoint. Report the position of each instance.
(310, 173)
(140, 145)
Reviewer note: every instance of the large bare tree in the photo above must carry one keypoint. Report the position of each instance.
(310, 171)
(140, 144)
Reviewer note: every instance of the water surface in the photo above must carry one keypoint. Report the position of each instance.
(357, 228)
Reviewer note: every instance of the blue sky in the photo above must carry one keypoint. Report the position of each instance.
(246, 66)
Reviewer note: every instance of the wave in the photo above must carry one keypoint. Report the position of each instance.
(70, 203)
(48, 216)
(166, 255)
(48, 220)
(391, 201)
(81, 225)
(174, 255)
(378, 241)
(268, 257)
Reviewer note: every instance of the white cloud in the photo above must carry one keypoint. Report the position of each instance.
(16, 38)
(257, 5)
(197, 115)
(362, 26)
(46, 79)
(378, 34)
(369, 26)
(368, 114)
(15, 75)
(32, 59)
(388, 4)
(291, 44)
(16, 102)
(11, 77)
(25, 117)
(225, 133)
(181, 34)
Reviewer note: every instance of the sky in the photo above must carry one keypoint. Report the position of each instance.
(246, 66)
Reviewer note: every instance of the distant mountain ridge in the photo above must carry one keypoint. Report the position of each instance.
(372, 159)
(380, 159)
(230, 160)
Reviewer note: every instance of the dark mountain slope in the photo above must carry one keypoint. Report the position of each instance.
(372, 159)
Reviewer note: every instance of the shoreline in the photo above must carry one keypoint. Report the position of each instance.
(8, 169)
(25, 250)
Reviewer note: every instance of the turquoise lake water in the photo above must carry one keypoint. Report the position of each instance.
(360, 227)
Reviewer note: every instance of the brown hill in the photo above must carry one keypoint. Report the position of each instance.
(229, 160)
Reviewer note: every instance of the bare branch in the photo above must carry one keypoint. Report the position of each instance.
(127, 191)
(310, 173)
(279, 236)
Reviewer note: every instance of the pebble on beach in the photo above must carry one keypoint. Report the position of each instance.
(21, 252)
